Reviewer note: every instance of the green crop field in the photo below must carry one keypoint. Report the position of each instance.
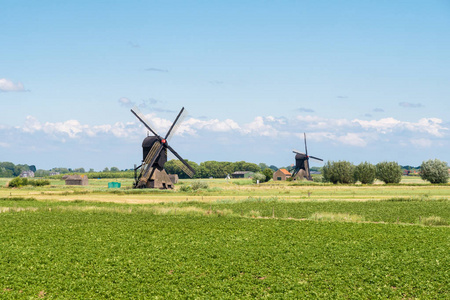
(230, 240)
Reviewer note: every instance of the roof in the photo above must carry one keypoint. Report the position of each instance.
(241, 172)
(285, 172)
(73, 177)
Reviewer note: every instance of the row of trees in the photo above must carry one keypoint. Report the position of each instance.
(434, 171)
(215, 169)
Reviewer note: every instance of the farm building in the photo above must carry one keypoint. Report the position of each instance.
(242, 174)
(76, 179)
(281, 174)
(27, 174)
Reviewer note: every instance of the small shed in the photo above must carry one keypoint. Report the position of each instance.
(281, 174)
(242, 174)
(76, 180)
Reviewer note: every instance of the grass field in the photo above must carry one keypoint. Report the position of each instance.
(232, 240)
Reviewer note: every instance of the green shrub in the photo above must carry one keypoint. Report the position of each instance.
(259, 176)
(317, 178)
(38, 182)
(389, 172)
(186, 188)
(18, 182)
(434, 171)
(365, 173)
(197, 185)
(339, 172)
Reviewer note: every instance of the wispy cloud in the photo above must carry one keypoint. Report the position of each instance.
(378, 110)
(216, 82)
(157, 70)
(151, 104)
(9, 86)
(410, 105)
(304, 109)
(133, 45)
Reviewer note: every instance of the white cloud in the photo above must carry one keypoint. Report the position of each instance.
(429, 125)
(383, 125)
(74, 129)
(259, 128)
(9, 86)
(354, 133)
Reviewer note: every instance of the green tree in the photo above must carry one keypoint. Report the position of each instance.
(263, 166)
(365, 172)
(339, 172)
(114, 169)
(434, 171)
(389, 172)
(268, 173)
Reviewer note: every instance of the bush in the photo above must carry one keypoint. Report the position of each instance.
(18, 182)
(197, 185)
(434, 171)
(39, 182)
(268, 173)
(259, 176)
(365, 172)
(339, 172)
(389, 172)
(185, 188)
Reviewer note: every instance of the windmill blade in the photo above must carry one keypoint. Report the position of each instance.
(151, 157)
(190, 171)
(298, 152)
(306, 148)
(181, 116)
(144, 121)
(316, 158)
(184, 168)
(175, 124)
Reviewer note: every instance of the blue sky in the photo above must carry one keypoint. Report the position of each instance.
(366, 80)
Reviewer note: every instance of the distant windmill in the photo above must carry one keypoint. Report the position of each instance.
(152, 173)
(302, 168)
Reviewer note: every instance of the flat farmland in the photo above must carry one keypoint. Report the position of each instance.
(219, 189)
(230, 240)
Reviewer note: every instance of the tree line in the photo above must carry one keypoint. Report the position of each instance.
(434, 171)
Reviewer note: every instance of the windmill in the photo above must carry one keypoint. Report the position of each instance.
(152, 173)
(302, 163)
